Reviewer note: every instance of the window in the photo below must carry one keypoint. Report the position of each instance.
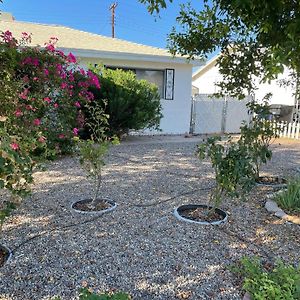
(158, 77)
(153, 76)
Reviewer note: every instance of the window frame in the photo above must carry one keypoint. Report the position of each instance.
(164, 71)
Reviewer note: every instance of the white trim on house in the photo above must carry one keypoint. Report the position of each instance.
(208, 65)
(130, 56)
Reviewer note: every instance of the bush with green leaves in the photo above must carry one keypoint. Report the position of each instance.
(234, 173)
(258, 134)
(276, 283)
(289, 198)
(132, 104)
(86, 294)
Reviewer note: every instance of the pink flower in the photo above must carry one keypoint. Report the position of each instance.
(55, 105)
(50, 47)
(63, 85)
(71, 77)
(26, 61)
(37, 122)
(63, 75)
(30, 107)
(42, 139)
(35, 62)
(75, 131)
(14, 146)
(61, 136)
(53, 39)
(24, 94)
(89, 96)
(25, 79)
(60, 53)
(82, 72)
(93, 79)
(58, 68)
(77, 104)
(18, 113)
(46, 72)
(83, 84)
(71, 58)
(7, 36)
(47, 99)
(26, 37)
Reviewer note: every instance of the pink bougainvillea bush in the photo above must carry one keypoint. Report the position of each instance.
(42, 94)
(42, 91)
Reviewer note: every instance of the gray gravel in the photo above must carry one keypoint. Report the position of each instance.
(140, 247)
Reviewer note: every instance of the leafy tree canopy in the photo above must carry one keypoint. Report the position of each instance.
(154, 5)
(256, 38)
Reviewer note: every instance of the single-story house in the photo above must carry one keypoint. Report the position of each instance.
(283, 101)
(173, 75)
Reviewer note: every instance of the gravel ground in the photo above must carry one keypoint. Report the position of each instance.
(140, 247)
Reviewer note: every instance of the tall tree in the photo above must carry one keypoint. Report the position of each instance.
(257, 38)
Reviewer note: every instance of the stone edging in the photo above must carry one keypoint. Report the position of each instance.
(181, 218)
(272, 207)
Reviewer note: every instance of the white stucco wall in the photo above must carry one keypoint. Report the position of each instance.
(206, 83)
(281, 95)
(176, 112)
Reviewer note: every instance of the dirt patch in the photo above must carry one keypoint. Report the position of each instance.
(201, 214)
(271, 180)
(86, 205)
(3, 256)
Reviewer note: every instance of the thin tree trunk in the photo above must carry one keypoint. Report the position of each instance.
(98, 185)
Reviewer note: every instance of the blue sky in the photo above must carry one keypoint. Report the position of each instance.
(133, 22)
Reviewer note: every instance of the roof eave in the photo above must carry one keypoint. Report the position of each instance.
(205, 67)
(131, 56)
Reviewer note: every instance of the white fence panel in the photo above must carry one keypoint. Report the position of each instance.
(218, 115)
(289, 130)
(236, 113)
(208, 114)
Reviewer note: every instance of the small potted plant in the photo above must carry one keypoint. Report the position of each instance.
(91, 156)
(234, 176)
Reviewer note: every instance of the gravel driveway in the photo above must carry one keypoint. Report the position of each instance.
(140, 247)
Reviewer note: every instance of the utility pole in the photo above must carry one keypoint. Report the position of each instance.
(113, 8)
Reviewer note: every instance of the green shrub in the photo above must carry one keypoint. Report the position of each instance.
(85, 294)
(290, 198)
(234, 173)
(282, 282)
(258, 134)
(93, 150)
(131, 103)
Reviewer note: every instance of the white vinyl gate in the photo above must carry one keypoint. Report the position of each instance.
(218, 115)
